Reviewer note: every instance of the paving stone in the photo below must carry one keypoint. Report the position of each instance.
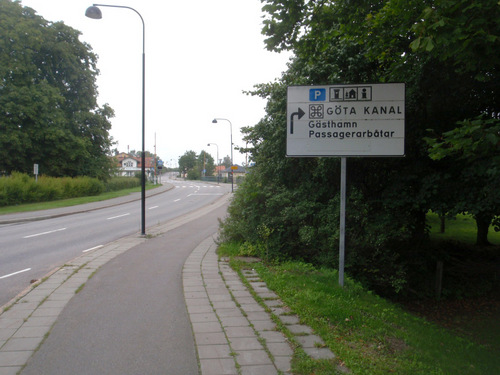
(264, 325)
(229, 312)
(246, 299)
(282, 310)
(43, 321)
(279, 348)
(239, 332)
(218, 366)
(265, 295)
(309, 341)
(17, 358)
(245, 343)
(234, 321)
(191, 302)
(253, 357)
(224, 305)
(203, 317)
(214, 351)
(221, 297)
(299, 329)
(241, 294)
(206, 327)
(200, 294)
(11, 370)
(210, 338)
(25, 332)
(273, 303)
(283, 363)
(199, 309)
(319, 353)
(289, 319)
(6, 333)
(251, 307)
(273, 336)
(256, 316)
(52, 311)
(11, 322)
(21, 344)
(259, 370)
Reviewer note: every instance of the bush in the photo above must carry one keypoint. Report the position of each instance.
(19, 188)
(121, 183)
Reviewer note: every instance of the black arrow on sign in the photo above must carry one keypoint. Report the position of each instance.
(299, 114)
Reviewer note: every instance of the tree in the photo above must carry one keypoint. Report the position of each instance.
(465, 35)
(226, 162)
(336, 42)
(49, 114)
(206, 163)
(475, 147)
(187, 161)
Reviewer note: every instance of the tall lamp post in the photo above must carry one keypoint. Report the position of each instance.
(217, 162)
(95, 13)
(214, 121)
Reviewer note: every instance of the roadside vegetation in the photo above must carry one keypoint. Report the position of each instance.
(19, 192)
(373, 335)
(421, 230)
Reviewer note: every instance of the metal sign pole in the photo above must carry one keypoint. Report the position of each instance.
(343, 168)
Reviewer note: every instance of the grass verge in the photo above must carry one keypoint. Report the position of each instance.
(369, 334)
(71, 202)
(461, 228)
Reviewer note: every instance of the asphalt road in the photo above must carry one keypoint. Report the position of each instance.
(31, 249)
(130, 318)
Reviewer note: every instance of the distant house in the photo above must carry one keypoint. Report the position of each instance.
(130, 165)
(240, 172)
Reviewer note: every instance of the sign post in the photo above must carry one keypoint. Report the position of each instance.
(35, 171)
(359, 120)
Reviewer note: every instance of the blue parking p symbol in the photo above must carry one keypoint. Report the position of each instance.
(317, 95)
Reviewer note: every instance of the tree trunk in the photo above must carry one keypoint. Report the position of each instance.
(419, 231)
(483, 224)
(442, 218)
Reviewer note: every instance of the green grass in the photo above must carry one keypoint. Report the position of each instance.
(462, 228)
(368, 334)
(70, 202)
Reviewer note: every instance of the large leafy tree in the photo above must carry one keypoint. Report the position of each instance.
(347, 41)
(465, 35)
(48, 109)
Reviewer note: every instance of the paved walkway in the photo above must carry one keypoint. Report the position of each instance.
(234, 333)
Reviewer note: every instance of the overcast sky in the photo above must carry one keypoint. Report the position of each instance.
(200, 56)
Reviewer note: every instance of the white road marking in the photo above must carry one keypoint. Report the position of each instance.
(41, 234)
(15, 273)
(152, 208)
(92, 248)
(177, 200)
(117, 217)
(200, 194)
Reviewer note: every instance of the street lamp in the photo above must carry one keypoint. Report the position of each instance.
(216, 171)
(95, 13)
(214, 121)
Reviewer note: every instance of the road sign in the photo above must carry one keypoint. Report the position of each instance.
(346, 120)
(234, 167)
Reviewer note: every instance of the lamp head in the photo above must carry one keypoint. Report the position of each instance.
(208, 144)
(214, 121)
(93, 12)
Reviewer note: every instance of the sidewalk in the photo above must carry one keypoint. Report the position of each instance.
(233, 333)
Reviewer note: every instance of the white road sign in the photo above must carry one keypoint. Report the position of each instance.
(346, 120)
